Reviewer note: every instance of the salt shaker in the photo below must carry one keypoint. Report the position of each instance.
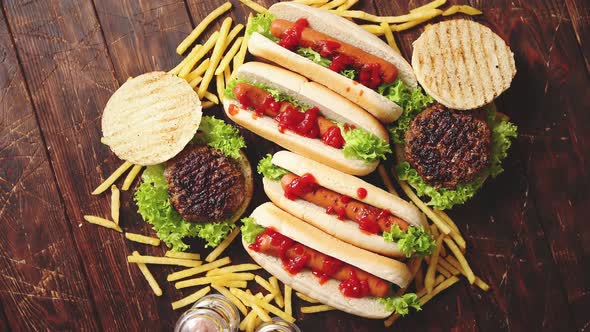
(277, 325)
(211, 313)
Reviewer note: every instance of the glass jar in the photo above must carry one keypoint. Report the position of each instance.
(211, 313)
(277, 325)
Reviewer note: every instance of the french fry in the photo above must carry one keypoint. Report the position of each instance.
(202, 51)
(223, 245)
(312, 2)
(231, 283)
(426, 15)
(462, 9)
(149, 277)
(254, 6)
(419, 280)
(194, 83)
(374, 29)
(435, 233)
(241, 56)
(252, 314)
(266, 306)
(202, 26)
(455, 233)
(439, 278)
(112, 178)
(388, 19)
(142, 239)
(162, 261)
(260, 313)
(199, 269)
(429, 277)
(234, 268)
(306, 298)
(431, 5)
(447, 219)
(130, 177)
(207, 104)
(232, 34)
(214, 279)
(333, 4)
(448, 266)
(200, 70)
(264, 284)
(103, 222)
(220, 85)
(478, 282)
(440, 269)
(389, 321)
(225, 292)
(348, 4)
(191, 298)
(182, 255)
(389, 37)
(316, 308)
(459, 256)
(277, 291)
(386, 180)
(288, 301)
(227, 74)
(442, 286)
(115, 203)
(229, 56)
(211, 97)
(215, 56)
(176, 70)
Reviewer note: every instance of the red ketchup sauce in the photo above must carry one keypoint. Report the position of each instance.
(340, 62)
(370, 75)
(353, 287)
(333, 137)
(268, 105)
(292, 37)
(368, 222)
(233, 109)
(327, 48)
(301, 186)
(304, 124)
(361, 193)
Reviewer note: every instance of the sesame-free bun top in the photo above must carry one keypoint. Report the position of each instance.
(462, 64)
(151, 118)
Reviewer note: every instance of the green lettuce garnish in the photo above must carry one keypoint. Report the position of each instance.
(350, 73)
(363, 145)
(503, 132)
(220, 135)
(250, 229)
(275, 93)
(270, 170)
(401, 304)
(155, 208)
(412, 102)
(415, 241)
(309, 53)
(261, 24)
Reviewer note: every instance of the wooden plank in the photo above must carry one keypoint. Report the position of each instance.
(67, 68)
(42, 284)
(579, 14)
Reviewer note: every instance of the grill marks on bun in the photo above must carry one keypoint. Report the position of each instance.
(463, 64)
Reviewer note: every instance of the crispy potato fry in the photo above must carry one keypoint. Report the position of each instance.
(142, 239)
(112, 178)
(211, 97)
(437, 281)
(455, 233)
(288, 300)
(374, 29)
(333, 4)
(207, 104)
(199, 54)
(434, 231)
(419, 280)
(231, 283)
(348, 4)
(182, 255)
(442, 286)
(448, 266)
(252, 314)
(317, 308)
(447, 219)
(200, 70)
(225, 292)
(459, 255)
(306, 298)
(426, 15)
(264, 284)
(387, 180)
(277, 291)
(241, 56)
(440, 269)
(229, 56)
(429, 277)
(214, 279)
(254, 6)
(431, 5)
(389, 37)
(234, 268)
(162, 261)
(462, 9)
(266, 306)
(260, 312)
(215, 56)
(312, 2)
(202, 26)
(220, 85)
(103, 222)
(232, 34)
(388, 19)
(194, 83)
(149, 277)
(191, 298)
(478, 282)
(115, 203)
(223, 245)
(199, 269)
(227, 74)
(130, 177)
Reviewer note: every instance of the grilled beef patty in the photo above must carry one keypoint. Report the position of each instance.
(204, 185)
(448, 147)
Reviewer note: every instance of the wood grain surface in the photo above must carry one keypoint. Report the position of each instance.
(527, 231)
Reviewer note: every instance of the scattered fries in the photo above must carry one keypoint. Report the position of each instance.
(306, 298)
(225, 292)
(162, 261)
(115, 203)
(229, 56)
(192, 59)
(215, 56)
(288, 301)
(267, 306)
(459, 255)
(254, 6)
(462, 9)
(191, 298)
(130, 177)
(333, 4)
(103, 222)
(223, 245)
(231, 283)
(207, 105)
(112, 178)
(211, 97)
(202, 26)
(214, 279)
(199, 269)
(442, 286)
(200, 70)
(431, 5)
(234, 268)
(429, 278)
(182, 255)
(142, 239)
(316, 308)
(149, 277)
(277, 291)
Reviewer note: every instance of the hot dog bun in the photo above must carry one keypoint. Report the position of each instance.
(331, 105)
(344, 30)
(268, 215)
(339, 182)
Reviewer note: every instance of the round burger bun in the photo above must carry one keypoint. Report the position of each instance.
(331, 105)
(463, 64)
(151, 118)
(246, 169)
(348, 185)
(346, 31)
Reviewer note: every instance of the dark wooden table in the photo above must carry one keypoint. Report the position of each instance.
(528, 235)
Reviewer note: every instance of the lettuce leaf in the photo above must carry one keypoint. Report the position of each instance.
(309, 53)
(363, 145)
(503, 132)
(401, 304)
(250, 229)
(350, 73)
(275, 93)
(220, 135)
(415, 241)
(155, 208)
(270, 170)
(412, 102)
(261, 24)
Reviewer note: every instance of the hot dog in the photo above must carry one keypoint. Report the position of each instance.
(334, 52)
(321, 266)
(345, 206)
(305, 117)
